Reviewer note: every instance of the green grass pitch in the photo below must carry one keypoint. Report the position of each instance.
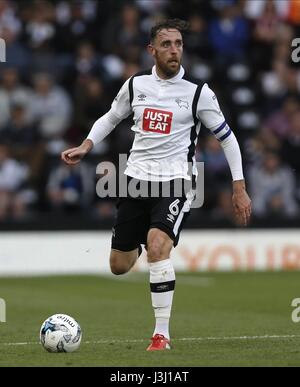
(218, 319)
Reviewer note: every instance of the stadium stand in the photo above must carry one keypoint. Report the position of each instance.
(66, 60)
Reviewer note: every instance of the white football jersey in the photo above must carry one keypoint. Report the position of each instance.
(167, 117)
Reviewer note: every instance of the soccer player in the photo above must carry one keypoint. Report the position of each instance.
(168, 108)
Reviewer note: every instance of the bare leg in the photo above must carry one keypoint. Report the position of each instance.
(122, 261)
(159, 245)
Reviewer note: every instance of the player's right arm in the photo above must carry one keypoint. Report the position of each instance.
(120, 109)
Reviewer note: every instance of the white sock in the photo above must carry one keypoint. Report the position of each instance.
(162, 284)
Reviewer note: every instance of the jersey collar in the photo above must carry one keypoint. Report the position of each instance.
(171, 80)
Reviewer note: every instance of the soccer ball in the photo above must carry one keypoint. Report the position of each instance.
(60, 333)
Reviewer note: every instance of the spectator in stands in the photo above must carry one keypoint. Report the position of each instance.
(196, 41)
(13, 176)
(40, 29)
(76, 22)
(279, 122)
(152, 7)
(51, 107)
(39, 33)
(8, 17)
(24, 140)
(229, 35)
(215, 162)
(17, 54)
(280, 81)
(265, 31)
(291, 145)
(12, 92)
(267, 24)
(87, 63)
(10, 24)
(223, 210)
(254, 9)
(91, 103)
(127, 39)
(272, 187)
(256, 146)
(124, 33)
(71, 188)
(19, 132)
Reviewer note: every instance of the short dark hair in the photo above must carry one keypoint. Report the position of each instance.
(181, 25)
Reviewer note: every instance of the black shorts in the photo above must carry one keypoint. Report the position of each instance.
(136, 216)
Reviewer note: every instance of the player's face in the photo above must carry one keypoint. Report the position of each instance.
(167, 52)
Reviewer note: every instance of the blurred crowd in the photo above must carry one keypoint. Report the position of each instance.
(66, 61)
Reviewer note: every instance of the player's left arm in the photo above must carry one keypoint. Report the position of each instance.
(212, 117)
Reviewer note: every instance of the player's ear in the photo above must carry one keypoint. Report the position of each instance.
(151, 49)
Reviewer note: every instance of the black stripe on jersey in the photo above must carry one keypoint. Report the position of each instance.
(199, 84)
(146, 72)
(193, 134)
(195, 103)
(162, 287)
(191, 153)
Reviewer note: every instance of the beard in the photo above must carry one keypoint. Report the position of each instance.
(169, 68)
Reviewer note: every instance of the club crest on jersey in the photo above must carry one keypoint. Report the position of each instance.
(182, 103)
(158, 121)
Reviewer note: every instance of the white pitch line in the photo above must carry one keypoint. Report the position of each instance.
(180, 339)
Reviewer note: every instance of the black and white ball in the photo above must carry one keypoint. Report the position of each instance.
(60, 333)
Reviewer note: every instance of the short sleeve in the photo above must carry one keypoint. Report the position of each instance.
(208, 109)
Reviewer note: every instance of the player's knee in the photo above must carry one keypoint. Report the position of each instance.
(118, 269)
(159, 246)
(154, 253)
(119, 263)
(155, 250)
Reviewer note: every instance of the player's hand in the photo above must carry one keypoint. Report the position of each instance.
(75, 155)
(241, 203)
